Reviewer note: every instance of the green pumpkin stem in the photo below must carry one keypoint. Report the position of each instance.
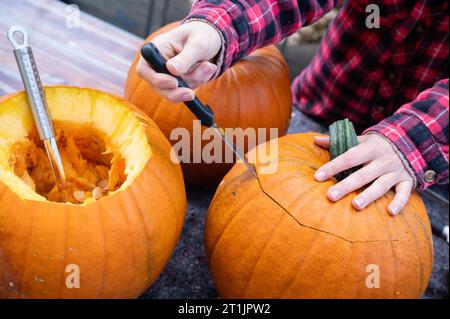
(342, 138)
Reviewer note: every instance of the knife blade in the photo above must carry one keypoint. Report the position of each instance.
(203, 112)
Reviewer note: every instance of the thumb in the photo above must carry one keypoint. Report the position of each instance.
(185, 60)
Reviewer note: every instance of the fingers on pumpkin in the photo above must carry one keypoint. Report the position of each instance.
(378, 188)
(353, 157)
(402, 194)
(355, 181)
(324, 140)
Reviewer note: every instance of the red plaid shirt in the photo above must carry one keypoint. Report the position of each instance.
(391, 80)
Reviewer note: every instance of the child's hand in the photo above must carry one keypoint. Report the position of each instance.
(189, 50)
(382, 166)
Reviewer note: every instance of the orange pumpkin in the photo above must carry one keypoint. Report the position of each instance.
(254, 93)
(114, 246)
(277, 236)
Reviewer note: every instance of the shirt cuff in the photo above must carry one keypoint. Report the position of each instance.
(395, 131)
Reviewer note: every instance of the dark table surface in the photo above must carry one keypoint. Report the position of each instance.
(97, 54)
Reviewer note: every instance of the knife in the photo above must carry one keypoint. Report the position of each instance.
(203, 112)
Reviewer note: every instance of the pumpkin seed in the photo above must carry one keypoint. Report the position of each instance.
(79, 196)
(97, 193)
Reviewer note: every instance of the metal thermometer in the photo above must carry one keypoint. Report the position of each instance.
(203, 112)
(36, 99)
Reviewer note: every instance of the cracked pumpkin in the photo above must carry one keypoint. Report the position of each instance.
(121, 212)
(278, 236)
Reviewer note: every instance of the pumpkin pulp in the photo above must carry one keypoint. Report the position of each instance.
(103, 147)
(92, 170)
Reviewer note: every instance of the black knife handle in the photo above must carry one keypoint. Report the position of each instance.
(151, 54)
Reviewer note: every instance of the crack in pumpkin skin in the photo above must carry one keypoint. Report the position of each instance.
(314, 228)
(312, 166)
(92, 167)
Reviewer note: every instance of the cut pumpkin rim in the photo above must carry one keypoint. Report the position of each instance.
(109, 114)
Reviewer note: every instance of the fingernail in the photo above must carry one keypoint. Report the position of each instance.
(360, 202)
(206, 68)
(394, 210)
(320, 175)
(320, 138)
(187, 97)
(334, 195)
(175, 64)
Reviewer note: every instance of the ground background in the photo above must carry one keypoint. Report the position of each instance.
(186, 275)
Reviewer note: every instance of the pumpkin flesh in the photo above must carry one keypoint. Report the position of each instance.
(92, 170)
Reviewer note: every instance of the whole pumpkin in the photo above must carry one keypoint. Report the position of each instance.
(254, 93)
(277, 236)
(111, 247)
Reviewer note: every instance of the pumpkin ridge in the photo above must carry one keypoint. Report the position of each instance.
(134, 92)
(144, 228)
(132, 256)
(180, 113)
(391, 245)
(261, 254)
(64, 251)
(280, 111)
(154, 173)
(157, 107)
(257, 74)
(429, 239)
(414, 235)
(346, 268)
(394, 267)
(314, 241)
(102, 232)
(234, 79)
(27, 255)
(228, 224)
(222, 189)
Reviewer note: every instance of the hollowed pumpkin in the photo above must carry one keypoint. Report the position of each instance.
(120, 239)
(254, 93)
(277, 236)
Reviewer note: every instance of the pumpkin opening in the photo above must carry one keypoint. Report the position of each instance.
(92, 169)
(102, 143)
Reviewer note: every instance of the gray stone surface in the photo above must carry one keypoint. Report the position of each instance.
(187, 275)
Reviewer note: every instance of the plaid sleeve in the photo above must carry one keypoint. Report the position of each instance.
(419, 130)
(251, 24)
